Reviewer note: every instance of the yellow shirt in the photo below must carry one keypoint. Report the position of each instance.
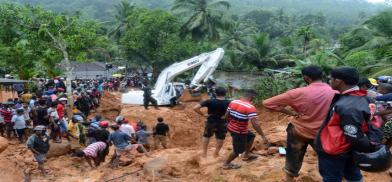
(73, 129)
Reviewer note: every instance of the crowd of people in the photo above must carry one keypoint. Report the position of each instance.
(42, 117)
(347, 122)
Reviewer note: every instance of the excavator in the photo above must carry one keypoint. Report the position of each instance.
(165, 89)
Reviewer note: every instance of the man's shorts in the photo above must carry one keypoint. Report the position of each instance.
(240, 141)
(40, 158)
(217, 127)
(63, 126)
(20, 132)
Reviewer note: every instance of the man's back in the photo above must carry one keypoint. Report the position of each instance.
(240, 111)
(42, 116)
(127, 129)
(119, 139)
(311, 102)
(216, 107)
(161, 129)
(142, 136)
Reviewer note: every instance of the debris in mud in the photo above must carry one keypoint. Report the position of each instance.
(110, 106)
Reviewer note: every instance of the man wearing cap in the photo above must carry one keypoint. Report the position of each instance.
(38, 143)
(127, 128)
(343, 130)
(366, 85)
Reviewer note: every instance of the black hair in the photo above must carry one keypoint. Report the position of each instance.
(250, 93)
(220, 91)
(364, 82)
(386, 86)
(54, 104)
(79, 153)
(144, 127)
(313, 72)
(98, 117)
(348, 75)
(115, 127)
(160, 119)
(42, 102)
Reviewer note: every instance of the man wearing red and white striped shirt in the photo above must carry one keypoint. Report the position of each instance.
(238, 115)
(93, 151)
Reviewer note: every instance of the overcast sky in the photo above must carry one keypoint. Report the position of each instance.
(376, 1)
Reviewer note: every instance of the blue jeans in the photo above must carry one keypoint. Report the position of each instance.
(334, 168)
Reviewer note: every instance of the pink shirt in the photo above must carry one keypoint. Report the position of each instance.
(93, 149)
(311, 102)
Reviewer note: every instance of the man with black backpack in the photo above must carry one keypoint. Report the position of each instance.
(346, 131)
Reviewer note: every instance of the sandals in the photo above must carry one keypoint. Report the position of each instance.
(231, 166)
(250, 158)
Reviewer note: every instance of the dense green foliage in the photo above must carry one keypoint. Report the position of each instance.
(257, 34)
(26, 48)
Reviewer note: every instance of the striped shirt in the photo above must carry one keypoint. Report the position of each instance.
(7, 115)
(240, 112)
(93, 149)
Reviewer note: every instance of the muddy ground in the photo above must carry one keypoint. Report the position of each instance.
(181, 162)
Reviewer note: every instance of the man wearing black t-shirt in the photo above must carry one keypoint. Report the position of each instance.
(161, 131)
(216, 123)
(42, 114)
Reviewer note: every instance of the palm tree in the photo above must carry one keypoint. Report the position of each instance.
(203, 17)
(123, 11)
(238, 38)
(379, 29)
(259, 54)
(306, 35)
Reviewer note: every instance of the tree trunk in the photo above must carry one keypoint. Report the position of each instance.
(68, 70)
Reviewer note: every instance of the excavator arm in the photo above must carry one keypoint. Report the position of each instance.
(164, 87)
(208, 61)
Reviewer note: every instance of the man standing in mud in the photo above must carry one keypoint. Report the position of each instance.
(216, 123)
(239, 113)
(310, 106)
(147, 97)
(38, 143)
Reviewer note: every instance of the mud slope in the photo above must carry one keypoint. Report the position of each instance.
(181, 162)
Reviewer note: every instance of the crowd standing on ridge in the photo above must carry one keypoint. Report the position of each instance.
(348, 122)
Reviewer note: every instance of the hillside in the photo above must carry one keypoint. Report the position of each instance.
(337, 11)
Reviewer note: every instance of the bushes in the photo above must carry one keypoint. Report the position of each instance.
(276, 84)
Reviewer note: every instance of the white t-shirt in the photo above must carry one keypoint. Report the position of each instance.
(127, 129)
(19, 121)
(26, 114)
(53, 113)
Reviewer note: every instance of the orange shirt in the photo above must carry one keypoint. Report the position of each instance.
(311, 102)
